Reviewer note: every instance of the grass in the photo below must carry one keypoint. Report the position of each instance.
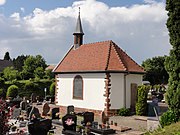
(173, 129)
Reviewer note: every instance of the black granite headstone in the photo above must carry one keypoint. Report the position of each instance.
(35, 112)
(88, 117)
(69, 122)
(54, 111)
(39, 126)
(70, 109)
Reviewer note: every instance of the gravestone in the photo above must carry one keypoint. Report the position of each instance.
(16, 112)
(23, 105)
(34, 112)
(29, 110)
(39, 126)
(69, 122)
(46, 109)
(88, 118)
(33, 97)
(54, 112)
(70, 109)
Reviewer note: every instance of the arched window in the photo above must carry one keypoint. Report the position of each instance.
(78, 87)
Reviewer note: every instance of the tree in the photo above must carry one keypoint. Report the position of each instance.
(39, 72)
(156, 72)
(19, 62)
(10, 73)
(6, 56)
(30, 65)
(172, 63)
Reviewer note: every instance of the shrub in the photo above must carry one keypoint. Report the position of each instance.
(4, 114)
(12, 91)
(52, 89)
(141, 104)
(124, 112)
(168, 118)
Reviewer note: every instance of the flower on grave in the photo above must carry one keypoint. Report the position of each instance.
(69, 122)
(4, 116)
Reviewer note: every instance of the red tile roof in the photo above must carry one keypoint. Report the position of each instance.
(98, 57)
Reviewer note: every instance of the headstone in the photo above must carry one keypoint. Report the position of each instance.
(16, 113)
(29, 110)
(69, 122)
(54, 112)
(23, 105)
(70, 109)
(33, 97)
(39, 126)
(34, 112)
(88, 118)
(46, 109)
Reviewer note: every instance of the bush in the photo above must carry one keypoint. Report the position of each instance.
(141, 104)
(52, 89)
(124, 112)
(173, 129)
(168, 118)
(12, 91)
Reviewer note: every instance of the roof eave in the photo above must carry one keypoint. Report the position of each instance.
(99, 71)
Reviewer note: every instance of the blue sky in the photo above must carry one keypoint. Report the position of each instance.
(45, 27)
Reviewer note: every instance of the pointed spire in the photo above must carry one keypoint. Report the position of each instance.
(78, 34)
(78, 29)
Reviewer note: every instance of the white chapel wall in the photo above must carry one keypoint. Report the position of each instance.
(117, 90)
(131, 78)
(93, 85)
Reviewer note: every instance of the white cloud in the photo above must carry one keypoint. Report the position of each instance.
(2, 2)
(22, 9)
(139, 29)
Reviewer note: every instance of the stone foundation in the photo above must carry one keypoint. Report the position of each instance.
(63, 111)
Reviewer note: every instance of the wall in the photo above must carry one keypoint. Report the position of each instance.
(117, 90)
(131, 78)
(93, 85)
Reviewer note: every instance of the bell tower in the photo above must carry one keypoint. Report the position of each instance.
(78, 34)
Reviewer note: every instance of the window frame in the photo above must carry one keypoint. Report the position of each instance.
(80, 97)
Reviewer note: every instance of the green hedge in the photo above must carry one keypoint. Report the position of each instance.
(27, 87)
(12, 91)
(141, 104)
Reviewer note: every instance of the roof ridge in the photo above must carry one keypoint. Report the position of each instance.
(129, 57)
(108, 57)
(98, 42)
(119, 57)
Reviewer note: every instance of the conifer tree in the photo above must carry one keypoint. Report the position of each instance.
(172, 62)
(6, 56)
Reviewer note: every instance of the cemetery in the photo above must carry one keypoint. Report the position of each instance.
(31, 117)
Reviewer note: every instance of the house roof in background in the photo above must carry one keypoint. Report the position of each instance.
(99, 56)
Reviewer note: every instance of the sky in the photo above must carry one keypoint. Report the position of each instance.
(45, 27)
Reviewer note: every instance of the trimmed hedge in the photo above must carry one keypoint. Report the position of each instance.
(52, 89)
(141, 104)
(12, 91)
(27, 87)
